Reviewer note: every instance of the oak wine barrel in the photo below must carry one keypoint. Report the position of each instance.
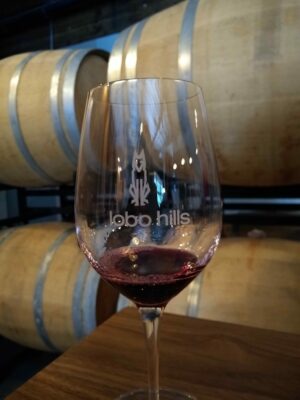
(49, 295)
(251, 282)
(245, 57)
(42, 103)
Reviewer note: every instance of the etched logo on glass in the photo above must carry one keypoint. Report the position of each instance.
(139, 188)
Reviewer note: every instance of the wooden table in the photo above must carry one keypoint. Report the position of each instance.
(212, 360)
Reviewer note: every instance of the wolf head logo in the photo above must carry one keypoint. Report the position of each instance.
(139, 161)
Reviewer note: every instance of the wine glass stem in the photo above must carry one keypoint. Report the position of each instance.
(150, 317)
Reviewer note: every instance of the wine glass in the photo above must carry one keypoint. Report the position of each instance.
(148, 207)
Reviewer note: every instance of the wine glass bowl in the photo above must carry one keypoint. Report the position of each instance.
(148, 207)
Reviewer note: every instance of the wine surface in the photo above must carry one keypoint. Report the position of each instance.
(149, 276)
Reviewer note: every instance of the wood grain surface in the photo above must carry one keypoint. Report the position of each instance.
(211, 360)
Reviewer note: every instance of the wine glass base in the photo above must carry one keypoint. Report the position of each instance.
(164, 394)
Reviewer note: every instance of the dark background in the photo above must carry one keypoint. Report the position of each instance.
(34, 25)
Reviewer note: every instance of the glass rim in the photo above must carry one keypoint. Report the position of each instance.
(198, 89)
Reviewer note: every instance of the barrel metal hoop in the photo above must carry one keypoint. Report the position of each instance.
(130, 68)
(39, 289)
(89, 301)
(55, 110)
(185, 44)
(78, 305)
(68, 97)
(131, 57)
(15, 123)
(77, 309)
(116, 58)
(185, 51)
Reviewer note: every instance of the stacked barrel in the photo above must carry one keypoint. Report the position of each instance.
(42, 104)
(244, 56)
(49, 296)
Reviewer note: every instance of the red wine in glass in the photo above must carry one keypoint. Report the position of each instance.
(149, 276)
